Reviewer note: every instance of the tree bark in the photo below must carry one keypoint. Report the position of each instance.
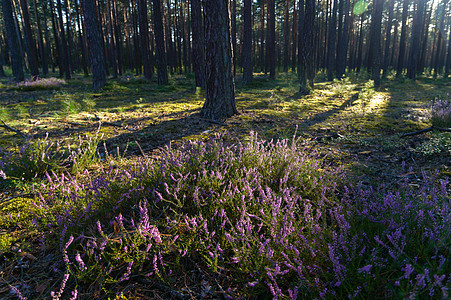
(159, 41)
(94, 43)
(271, 55)
(448, 57)
(402, 42)
(306, 63)
(198, 43)
(146, 56)
(65, 50)
(342, 47)
(247, 42)
(30, 45)
(440, 39)
(220, 99)
(42, 50)
(331, 43)
(286, 43)
(59, 57)
(375, 46)
(388, 37)
(12, 41)
(414, 55)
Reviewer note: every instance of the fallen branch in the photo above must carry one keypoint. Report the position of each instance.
(13, 130)
(426, 130)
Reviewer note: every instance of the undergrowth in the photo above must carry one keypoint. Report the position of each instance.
(263, 218)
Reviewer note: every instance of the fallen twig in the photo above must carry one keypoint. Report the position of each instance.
(12, 129)
(426, 130)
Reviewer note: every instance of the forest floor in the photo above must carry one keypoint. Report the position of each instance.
(351, 124)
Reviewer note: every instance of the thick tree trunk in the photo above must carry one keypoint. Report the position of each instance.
(146, 56)
(159, 41)
(271, 55)
(414, 55)
(94, 43)
(12, 41)
(286, 43)
(440, 39)
(388, 36)
(448, 57)
(402, 42)
(198, 43)
(342, 47)
(59, 57)
(220, 99)
(30, 45)
(375, 45)
(233, 32)
(65, 50)
(331, 43)
(306, 63)
(42, 50)
(81, 40)
(247, 42)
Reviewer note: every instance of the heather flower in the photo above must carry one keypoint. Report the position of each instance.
(17, 292)
(56, 296)
(441, 113)
(81, 264)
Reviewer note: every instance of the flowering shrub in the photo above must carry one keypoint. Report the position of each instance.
(441, 113)
(263, 218)
(41, 84)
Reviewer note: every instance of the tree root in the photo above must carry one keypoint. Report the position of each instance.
(426, 130)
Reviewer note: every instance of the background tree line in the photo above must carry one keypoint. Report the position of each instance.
(114, 37)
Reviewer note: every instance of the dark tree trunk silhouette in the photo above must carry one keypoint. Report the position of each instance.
(146, 56)
(440, 39)
(220, 99)
(65, 49)
(42, 50)
(388, 36)
(375, 45)
(30, 45)
(12, 41)
(81, 40)
(159, 41)
(233, 32)
(59, 57)
(448, 57)
(198, 43)
(331, 43)
(299, 41)
(271, 55)
(94, 43)
(262, 38)
(342, 47)
(294, 38)
(247, 42)
(414, 55)
(286, 43)
(402, 42)
(306, 63)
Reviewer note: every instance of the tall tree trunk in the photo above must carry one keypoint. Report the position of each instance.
(414, 55)
(12, 41)
(94, 43)
(198, 43)
(262, 38)
(306, 64)
(111, 38)
(376, 56)
(65, 50)
(220, 98)
(59, 56)
(388, 36)
(81, 40)
(247, 42)
(402, 42)
(448, 57)
(342, 47)
(286, 43)
(30, 44)
(294, 38)
(233, 32)
(146, 56)
(271, 55)
(440, 39)
(42, 46)
(159, 41)
(331, 43)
